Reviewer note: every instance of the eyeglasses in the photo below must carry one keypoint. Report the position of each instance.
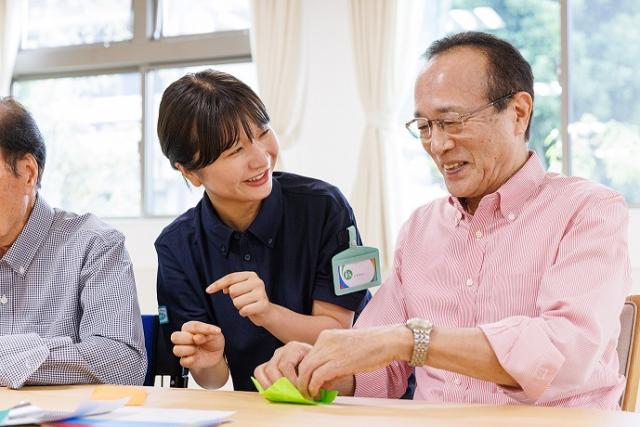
(422, 128)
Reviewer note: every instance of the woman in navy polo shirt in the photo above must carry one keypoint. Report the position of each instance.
(249, 267)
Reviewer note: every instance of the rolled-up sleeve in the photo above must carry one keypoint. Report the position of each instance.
(579, 300)
(387, 307)
(111, 346)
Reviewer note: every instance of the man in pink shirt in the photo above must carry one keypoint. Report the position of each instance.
(508, 291)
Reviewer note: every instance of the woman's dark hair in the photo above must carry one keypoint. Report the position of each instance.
(19, 136)
(508, 71)
(202, 114)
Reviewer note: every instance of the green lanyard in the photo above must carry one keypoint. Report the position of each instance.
(355, 268)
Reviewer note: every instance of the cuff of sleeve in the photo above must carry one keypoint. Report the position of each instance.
(22, 355)
(388, 383)
(325, 292)
(527, 354)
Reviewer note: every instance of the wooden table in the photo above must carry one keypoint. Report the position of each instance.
(252, 410)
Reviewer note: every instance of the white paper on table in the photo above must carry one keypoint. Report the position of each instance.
(32, 414)
(143, 414)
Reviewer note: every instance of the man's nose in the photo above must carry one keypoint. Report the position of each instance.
(440, 141)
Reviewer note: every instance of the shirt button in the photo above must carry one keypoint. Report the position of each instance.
(457, 381)
(469, 283)
(236, 236)
(21, 270)
(270, 241)
(247, 257)
(223, 248)
(478, 234)
(4, 299)
(511, 216)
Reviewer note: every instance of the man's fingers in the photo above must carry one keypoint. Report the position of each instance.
(288, 369)
(320, 376)
(196, 327)
(272, 373)
(229, 280)
(261, 376)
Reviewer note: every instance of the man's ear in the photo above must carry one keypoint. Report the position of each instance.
(523, 105)
(189, 175)
(28, 170)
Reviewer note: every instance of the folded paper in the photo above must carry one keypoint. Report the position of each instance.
(283, 391)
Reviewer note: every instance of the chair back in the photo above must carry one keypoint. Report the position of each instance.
(160, 358)
(629, 351)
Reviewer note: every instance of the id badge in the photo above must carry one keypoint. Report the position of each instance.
(355, 268)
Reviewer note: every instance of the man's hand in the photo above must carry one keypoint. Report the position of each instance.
(198, 345)
(248, 294)
(284, 363)
(339, 354)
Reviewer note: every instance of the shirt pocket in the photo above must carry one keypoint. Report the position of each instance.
(512, 295)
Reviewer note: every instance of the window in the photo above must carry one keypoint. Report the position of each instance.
(92, 127)
(182, 17)
(604, 114)
(50, 23)
(96, 101)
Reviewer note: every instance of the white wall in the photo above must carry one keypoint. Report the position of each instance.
(330, 136)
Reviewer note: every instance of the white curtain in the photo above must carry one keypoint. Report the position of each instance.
(382, 31)
(10, 16)
(276, 46)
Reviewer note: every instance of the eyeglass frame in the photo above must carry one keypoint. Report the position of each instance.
(462, 118)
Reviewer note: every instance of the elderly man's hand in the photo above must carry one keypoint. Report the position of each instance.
(338, 354)
(284, 363)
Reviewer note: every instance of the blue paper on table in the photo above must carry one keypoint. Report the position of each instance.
(137, 416)
(26, 413)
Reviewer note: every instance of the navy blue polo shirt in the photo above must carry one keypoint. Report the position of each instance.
(299, 227)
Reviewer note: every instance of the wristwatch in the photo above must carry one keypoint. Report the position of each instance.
(421, 329)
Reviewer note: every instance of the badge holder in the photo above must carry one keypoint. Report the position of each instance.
(355, 268)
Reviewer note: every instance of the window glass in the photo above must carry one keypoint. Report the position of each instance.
(91, 126)
(183, 17)
(604, 114)
(50, 23)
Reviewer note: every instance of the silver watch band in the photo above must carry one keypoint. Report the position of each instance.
(421, 329)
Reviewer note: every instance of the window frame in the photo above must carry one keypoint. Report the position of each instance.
(142, 54)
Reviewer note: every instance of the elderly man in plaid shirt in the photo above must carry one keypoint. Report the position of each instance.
(68, 307)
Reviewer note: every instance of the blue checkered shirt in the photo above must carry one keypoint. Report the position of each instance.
(68, 307)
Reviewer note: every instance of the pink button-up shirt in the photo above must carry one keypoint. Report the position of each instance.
(541, 267)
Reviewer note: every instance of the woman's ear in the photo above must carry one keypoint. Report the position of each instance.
(189, 175)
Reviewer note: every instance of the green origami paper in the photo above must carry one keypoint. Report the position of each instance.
(283, 391)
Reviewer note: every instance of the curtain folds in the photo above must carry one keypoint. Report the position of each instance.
(10, 15)
(276, 45)
(381, 31)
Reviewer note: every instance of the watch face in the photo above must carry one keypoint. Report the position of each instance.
(416, 322)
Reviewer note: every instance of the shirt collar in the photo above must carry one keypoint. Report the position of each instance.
(521, 186)
(23, 250)
(264, 227)
(513, 193)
